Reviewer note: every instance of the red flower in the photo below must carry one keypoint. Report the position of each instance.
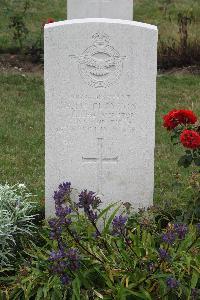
(176, 117)
(190, 139)
(48, 21)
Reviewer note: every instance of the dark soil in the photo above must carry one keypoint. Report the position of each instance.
(17, 63)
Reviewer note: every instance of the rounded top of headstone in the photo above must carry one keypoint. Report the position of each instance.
(101, 20)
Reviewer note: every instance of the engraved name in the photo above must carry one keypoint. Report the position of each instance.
(98, 113)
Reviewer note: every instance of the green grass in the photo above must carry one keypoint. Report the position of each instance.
(159, 12)
(22, 133)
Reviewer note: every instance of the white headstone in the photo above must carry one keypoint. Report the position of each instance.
(100, 84)
(113, 9)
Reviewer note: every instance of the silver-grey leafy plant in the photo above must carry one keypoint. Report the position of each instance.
(16, 221)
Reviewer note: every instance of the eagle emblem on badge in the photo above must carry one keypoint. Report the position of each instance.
(100, 65)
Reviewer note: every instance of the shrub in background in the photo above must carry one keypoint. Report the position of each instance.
(16, 222)
(17, 23)
(181, 52)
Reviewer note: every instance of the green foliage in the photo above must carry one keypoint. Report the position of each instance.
(171, 17)
(16, 222)
(123, 266)
(17, 23)
(22, 132)
(19, 28)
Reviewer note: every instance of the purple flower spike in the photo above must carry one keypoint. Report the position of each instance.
(181, 230)
(73, 258)
(89, 201)
(62, 212)
(119, 223)
(65, 279)
(164, 255)
(172, 283)
(63, 190)
(169, 237)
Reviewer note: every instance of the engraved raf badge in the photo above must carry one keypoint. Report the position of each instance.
(100, 65)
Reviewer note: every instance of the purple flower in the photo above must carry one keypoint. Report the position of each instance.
(92, 215)
(56, 231)
(150, 266)
(63, 191)
(63, 261)
(119, 223)
(65, 279)
(181, 230)
(164, 255)
(195, 293)
(172, 283)
(169, 237)
(52, 223)
(56, 255)
(62, 212)
(88, 201)
(58, 266)
(73, 259)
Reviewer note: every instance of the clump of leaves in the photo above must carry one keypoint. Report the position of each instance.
(16, 222)
(18, 26)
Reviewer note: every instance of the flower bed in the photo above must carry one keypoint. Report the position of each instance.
(86, 252)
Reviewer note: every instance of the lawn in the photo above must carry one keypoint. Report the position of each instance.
(22, 132)
(163, 13)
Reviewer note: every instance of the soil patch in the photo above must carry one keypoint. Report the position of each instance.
(17, 63)
(194, 70)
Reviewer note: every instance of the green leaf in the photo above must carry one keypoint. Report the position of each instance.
(100, 296)
(188, 152)
(185, 161)
(138, 295)
(76, 289)
(194, 280)
(107, 226)
(146, 294)
(104, 211)
(197, 161)
(39, 294)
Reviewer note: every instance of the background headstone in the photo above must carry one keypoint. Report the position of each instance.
(100, 108)
(113, 9)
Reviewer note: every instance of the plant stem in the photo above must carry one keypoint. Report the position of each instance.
(127, 243)
(83, 247)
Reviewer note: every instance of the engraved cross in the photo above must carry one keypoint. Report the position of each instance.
(99, 160)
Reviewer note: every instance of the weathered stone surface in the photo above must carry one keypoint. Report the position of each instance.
(113, 9)
(100, 86)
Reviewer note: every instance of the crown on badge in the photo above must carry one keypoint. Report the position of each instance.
(101, 38)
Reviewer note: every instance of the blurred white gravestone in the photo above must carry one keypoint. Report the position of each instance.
(113, 9)
(100, 90)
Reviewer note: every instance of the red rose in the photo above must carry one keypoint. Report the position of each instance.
(190, 139)
(176, 117)
(48, 21)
